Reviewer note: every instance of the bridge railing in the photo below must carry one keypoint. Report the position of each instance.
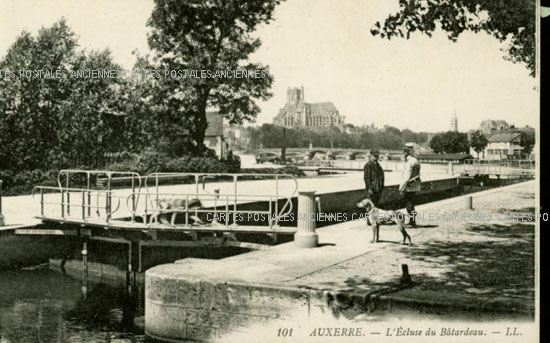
(78, 188)
(91, 204)
(157, 201)
(156, 205)
(499, 167)
(94, 174)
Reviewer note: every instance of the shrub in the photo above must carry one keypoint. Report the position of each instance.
(151, 161)
(15, 183)
(127, 165)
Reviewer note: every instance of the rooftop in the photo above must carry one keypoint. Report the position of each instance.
(322, 107)
(504, 137)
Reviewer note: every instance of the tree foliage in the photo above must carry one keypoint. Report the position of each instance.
(55, 122)
(207, 35)
(271, 136)
(478, 141)
(527, 142)
(450, 142)
(512, 20)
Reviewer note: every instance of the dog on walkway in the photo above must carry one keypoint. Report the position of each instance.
(171, 207)
(376, 216)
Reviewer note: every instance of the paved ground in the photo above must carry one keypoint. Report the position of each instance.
(485, 254)
(476, 260)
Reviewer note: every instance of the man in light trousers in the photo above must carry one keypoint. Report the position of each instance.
(410, 183)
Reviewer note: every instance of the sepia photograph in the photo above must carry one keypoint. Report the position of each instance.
(355, 171)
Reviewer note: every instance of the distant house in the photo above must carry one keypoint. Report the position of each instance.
(504, 146)
(489, 126)
(237, 137)
(213, 136)
(443, 158)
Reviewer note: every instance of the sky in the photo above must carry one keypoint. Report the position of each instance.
(326, 46)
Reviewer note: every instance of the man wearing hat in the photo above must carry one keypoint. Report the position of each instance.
(374, 180)
(410, 183)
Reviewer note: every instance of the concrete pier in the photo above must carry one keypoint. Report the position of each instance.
(306, 237)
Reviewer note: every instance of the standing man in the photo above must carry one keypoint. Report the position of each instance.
(410, 183)
(374, 184)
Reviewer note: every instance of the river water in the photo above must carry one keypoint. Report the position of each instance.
(40, 305)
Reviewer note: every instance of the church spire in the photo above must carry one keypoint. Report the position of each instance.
(454, 122)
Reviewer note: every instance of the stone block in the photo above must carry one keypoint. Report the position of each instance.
(255, 300)
(203, 333)
(168, 322)
(223, 320)
(170, 291)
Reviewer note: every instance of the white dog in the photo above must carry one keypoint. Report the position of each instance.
(376, 216)
(173, 207)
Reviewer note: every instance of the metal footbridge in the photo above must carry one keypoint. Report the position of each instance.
(499, 168)
(174, 202)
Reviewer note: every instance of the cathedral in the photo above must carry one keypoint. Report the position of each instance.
(315, 116)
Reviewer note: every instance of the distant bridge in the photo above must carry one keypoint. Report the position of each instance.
(335, 151)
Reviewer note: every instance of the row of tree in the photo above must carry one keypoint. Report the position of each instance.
(272, 136)
(390, 138)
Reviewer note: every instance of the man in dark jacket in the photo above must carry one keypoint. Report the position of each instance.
(374, 177)
(374, 184)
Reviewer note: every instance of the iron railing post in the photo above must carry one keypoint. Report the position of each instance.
(157, 189)
(2, 220)
(41, 201)
(133, 198)
(62, 203)
(83, 205)
(89, 194)
(269, 215)
(235, 200)
(276, 200)
(108, 198)
(68, 194)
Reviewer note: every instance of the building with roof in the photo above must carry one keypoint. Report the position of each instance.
(213, 136)
(237, 137)
(503, 146)
(490, 126)
(298, 114)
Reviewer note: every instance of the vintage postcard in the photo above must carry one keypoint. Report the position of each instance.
(269, 171)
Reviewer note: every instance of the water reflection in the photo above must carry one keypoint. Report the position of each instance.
(40, 305)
